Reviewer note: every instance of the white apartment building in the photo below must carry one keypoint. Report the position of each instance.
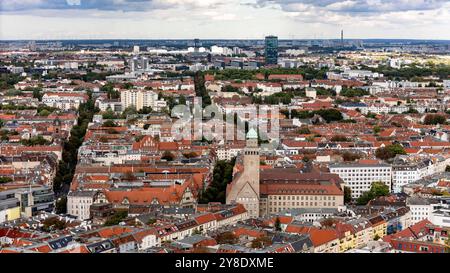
(217, 50)
(294, 85)
(186, 86)
(381, 108)
(108, 159)
(79, 203)
(403, 174)
(359, 177)
(269, 89)
(228, 152)
(446, 84)
(70, 65)
(105, 104)
(441, 217)
(64, 100)
(140, 99)
(311, 93)
(351, 74)
(421, 208)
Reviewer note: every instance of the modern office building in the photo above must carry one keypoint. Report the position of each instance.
(271, 50)
(197, 45)
(139, 63)
(9, 206)
(23, 202)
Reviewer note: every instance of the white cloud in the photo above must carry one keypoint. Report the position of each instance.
(223, 19)
(73, 2)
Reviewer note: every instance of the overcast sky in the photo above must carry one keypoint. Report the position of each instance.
(223, 19)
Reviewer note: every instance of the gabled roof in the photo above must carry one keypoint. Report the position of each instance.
(318, 236)
(205, 218)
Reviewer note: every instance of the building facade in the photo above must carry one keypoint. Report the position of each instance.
(285, 189)
(271, 50)
(79, 203)
(359, 177)
(264, 192)
(140, 99)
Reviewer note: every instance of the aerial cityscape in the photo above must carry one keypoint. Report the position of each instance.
(261, 141)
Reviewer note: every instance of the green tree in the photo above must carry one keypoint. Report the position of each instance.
(116, 218)
(200, 89)
(182, 100)
(109, 123)
(129, 111)
(376, 129)
(347, 194)
(261, 242)
(190, 155)
(168, 156)
(35, 141)
(229, 88)
(145, 110)
(66, 167)
(433, 119)
(53, 223)
(128, 86)
(196, 232)
(227, 237)
(283, 98)
(348, 156)
(353, 92)
(304, 130)
(37, 93)
(4, 179)
(277, 224)
(109, 114)
(44, 113)
(377, 189)
(371, 115)
(109, 89)
(339, 138)
(171, 103)
(222, 176)
(61, 205)
(330, 114)
(390, 151)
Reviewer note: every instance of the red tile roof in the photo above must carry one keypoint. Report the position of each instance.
(318, 236)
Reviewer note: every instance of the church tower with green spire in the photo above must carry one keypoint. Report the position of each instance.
(245, 188)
